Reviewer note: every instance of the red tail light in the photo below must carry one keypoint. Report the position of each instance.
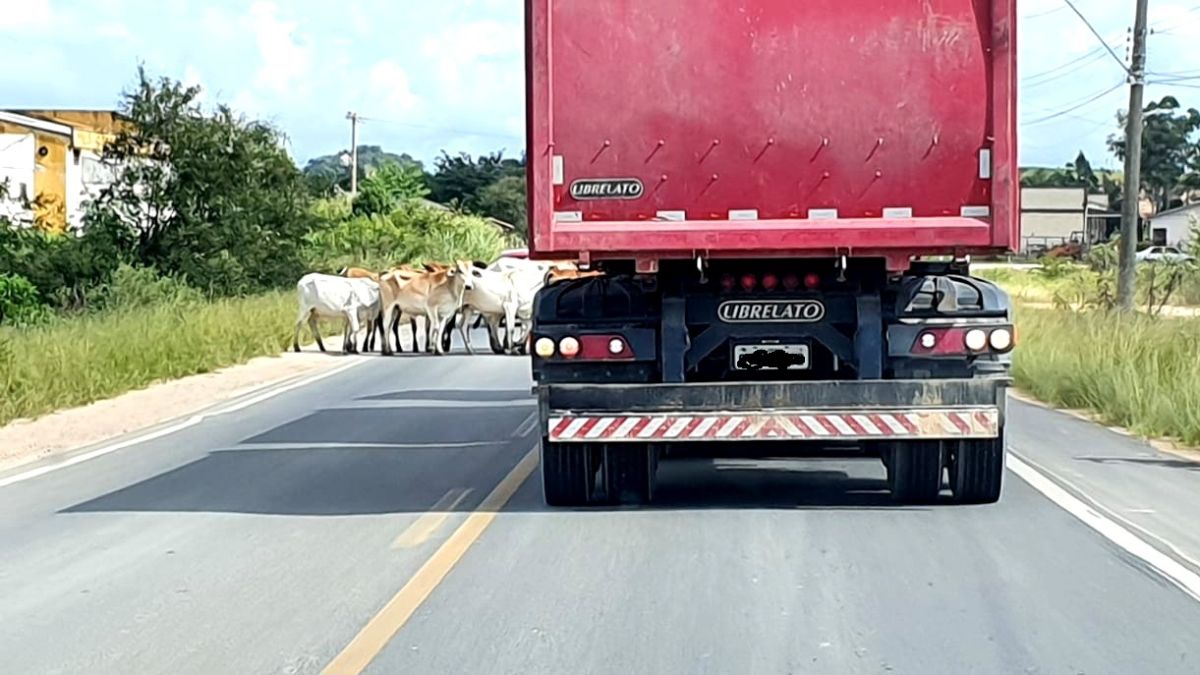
(770, 282)
(727, 282)
(791, 282)
(749, 282)
(812, 280)
(604, 348)
(940, 342)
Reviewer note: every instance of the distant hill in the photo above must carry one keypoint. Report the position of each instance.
(326, 171)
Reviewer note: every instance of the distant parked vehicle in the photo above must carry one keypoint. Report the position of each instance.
(1163, 254)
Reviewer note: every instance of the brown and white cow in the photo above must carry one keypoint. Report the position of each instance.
(437, 296)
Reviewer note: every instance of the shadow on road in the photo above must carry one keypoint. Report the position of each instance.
(1168, 462)
(393, 460)
(363, 480)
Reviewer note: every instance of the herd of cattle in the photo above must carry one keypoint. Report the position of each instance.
(438, 296)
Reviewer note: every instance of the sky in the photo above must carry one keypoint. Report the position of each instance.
(448, 74)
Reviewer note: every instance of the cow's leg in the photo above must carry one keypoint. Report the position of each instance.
(394, 327)
(416, 343)
(314, 326)
(493, 329)
(373, 325)
(467, 318)
(436, 324)
(300, 320)
(352, 328)
(510, 321)
(385, 345)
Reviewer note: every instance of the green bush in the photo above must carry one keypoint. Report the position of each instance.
(132, 287)
(19, 302)
(60, 266)
(413, 233)
(387, 187)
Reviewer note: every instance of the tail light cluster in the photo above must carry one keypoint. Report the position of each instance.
(769, 281)
(960, 340)
(584, 348)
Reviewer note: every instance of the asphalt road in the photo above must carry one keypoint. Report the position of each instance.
(349, 522)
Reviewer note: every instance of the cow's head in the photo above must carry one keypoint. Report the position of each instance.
(465, 270)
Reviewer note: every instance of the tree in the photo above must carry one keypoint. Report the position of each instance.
(1169, 156)
(387, 187)
(213, 198)
(461, 179)
(324, 173)
(1074, 174)
(506, 200)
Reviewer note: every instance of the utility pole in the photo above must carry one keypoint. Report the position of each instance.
(1131, 213)
(353, 117)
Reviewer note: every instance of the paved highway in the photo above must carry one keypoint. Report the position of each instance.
(388, 519)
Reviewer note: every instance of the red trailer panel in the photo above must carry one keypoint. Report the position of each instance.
(668, 128)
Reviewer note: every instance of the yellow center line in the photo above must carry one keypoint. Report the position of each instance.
(423, 528)
(374, 636)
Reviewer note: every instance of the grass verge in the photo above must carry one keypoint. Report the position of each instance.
(1134, 371)
(75, 361)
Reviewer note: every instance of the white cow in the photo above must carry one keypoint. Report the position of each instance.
(333, 297)
(493, 296)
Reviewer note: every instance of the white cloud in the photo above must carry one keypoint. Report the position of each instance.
(285, 61)
(477, 62)
(25, 15)
(390, 88)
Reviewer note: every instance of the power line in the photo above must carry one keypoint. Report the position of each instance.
(1047, 12)
(1097, 55)
(1073, 108)
(1051, 71)
(1104, 42)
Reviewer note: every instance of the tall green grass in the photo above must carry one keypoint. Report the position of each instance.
(1134, 371)
(74, 361)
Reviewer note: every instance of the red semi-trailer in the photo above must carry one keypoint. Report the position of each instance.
(783, 198)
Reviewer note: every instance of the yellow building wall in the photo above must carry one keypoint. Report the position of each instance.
(50, 183)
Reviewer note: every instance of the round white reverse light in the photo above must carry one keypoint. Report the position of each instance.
(544, 347)
(616, 346)
(928, 340)
(1001, 339)
(976, 340)
(568, 347)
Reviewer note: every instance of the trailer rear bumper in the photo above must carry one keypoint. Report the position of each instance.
(794, 411)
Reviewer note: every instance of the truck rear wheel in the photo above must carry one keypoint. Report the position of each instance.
(568, 475)
(915, 471)
(629, 473)
(977, 471)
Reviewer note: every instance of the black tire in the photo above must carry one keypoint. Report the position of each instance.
(977, 471)
(567, 474)
(629, 472)
(915, 472)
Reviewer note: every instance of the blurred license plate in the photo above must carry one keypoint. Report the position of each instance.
(771, 357)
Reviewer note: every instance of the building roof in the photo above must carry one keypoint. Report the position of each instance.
(1177, 209)
(429, 203)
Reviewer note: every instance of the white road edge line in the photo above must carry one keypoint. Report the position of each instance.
(178, 426)
(1165, 565)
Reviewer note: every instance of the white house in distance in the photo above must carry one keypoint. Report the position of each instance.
(1173, 227)
(1054, 216)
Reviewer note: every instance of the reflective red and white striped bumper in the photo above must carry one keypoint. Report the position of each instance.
(795, 425)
